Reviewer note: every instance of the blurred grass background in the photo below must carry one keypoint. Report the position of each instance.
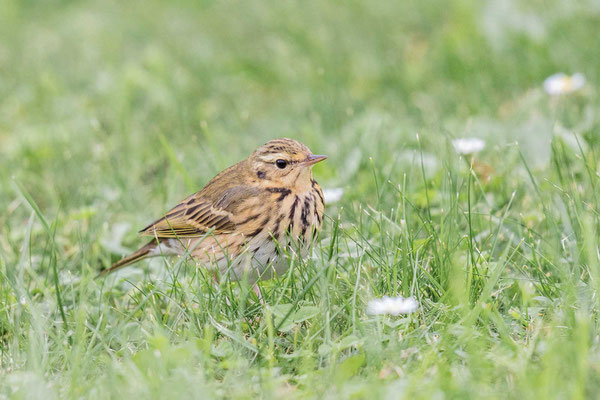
(111, 112)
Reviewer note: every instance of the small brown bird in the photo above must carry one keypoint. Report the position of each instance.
(244, 216)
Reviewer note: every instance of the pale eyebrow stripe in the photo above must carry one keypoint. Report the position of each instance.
(271, 158)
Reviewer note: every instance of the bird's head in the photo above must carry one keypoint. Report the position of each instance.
(284, 163)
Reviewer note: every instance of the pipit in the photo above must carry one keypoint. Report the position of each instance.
(243, 221)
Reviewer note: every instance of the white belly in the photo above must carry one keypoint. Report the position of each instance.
(264, 263)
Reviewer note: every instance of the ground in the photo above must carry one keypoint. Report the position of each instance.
(111, 112)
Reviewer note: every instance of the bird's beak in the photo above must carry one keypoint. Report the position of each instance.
(313, 159)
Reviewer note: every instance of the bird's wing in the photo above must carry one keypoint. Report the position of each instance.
(199, 214)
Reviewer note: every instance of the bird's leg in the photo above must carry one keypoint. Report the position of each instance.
(218, 286)
(256, 291)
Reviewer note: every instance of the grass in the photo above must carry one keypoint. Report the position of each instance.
(111, 112)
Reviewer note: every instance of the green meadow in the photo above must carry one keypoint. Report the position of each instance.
(111, 112)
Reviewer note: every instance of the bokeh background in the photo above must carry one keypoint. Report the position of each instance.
(91, 90)
(113, 111)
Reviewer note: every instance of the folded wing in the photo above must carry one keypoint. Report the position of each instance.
(197, 215)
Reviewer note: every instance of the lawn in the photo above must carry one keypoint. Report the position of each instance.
(113, 111)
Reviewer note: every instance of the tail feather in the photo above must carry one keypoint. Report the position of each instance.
(140, 254)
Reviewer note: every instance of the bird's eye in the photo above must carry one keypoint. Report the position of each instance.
(281, 164)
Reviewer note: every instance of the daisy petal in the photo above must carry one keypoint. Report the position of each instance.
(468, 145)
(392, 305)
(332, 195)
(560, 83)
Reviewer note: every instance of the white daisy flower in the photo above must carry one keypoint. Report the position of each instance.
(468, 145)
(560, 83)
(332, 195)
(392, 305)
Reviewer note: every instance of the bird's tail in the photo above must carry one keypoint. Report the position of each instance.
(142, 253)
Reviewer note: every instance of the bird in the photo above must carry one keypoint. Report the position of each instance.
(247, 218)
